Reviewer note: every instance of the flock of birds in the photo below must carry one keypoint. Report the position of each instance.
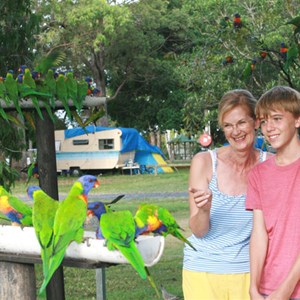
(58, 223)
(44, 83)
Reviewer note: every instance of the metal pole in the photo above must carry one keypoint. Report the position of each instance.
(100, 284)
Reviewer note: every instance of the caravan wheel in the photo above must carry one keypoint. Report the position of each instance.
(76, 172)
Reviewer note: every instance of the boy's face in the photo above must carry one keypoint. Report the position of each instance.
(279, 128)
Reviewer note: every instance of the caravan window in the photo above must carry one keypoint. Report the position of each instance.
(80, 142)
(105, 144)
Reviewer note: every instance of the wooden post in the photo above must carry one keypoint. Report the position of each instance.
(48, 182)
(17, 281)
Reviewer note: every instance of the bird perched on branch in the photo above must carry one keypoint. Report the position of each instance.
(43, 214)
(150, 218)
(99, 208)
(118, 228)
(296, 22)
(11, 87)
(68, 222)
(283, 51)
(16, 210)
(237, 23)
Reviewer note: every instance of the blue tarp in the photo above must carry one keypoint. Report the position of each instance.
(131, 139)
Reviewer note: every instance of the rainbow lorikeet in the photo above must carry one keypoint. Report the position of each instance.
(118, 228)
(16, 210)
(150, 218)
(43, 214)
(68, 222)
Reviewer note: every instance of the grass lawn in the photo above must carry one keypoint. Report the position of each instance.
(122, 282)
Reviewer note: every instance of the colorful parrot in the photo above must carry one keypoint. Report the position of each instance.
(4, 217)
(283, 51)
(118, 228)
(158, 220)
(15, 209)
(43, 214)
(12, 92)
(3, 92)
(50, 82)
(82, 90)
(291, 55)
(68, 222)
(29, 81)
(225, 22)
(237, 23)
(263, 54)
(62, 93)
(228, 60)
(71, 84)
(98, 208)
(52, 59)
(248, 70)
(296, 22)
(4, 97)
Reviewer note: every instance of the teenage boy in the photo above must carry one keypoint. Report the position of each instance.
(274, 196)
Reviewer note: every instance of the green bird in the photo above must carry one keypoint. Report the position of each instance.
(71, 84)
(12, 92)
(43, 214)
(16, 210)
(3, 92)
(62, 93)
(52, 59)
(50, 82)
(29, 81)
(118, 228)
(82, 90)
(3, 114)
(291, 55)
(4, 217)
(150, 218)
(296, 22)
(68, 223)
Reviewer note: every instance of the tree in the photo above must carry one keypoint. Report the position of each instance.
(225, 56)
(19, 25)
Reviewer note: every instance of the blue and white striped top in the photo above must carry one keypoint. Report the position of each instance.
(225, 248)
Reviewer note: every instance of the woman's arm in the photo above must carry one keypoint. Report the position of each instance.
(199, 194)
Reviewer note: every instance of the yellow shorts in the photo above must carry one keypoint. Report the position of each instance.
(208, 286)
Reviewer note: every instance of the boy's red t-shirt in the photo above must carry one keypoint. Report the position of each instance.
(276, 191)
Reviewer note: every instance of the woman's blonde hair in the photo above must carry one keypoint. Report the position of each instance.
(235, 98)
(279, 97)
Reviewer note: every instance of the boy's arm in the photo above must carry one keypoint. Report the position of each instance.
(286, 288)
(258, 252)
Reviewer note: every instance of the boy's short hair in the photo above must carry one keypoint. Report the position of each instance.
(279, 98)
(235, 98)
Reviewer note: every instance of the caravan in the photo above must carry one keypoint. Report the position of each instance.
(102, 148)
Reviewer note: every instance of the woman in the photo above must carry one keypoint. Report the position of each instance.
(221, 226)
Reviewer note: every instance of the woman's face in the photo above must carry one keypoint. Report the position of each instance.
(239, 128)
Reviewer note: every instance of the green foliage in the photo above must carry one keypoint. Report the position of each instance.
(19, 26)
(163, 63)
(8, 176)
(205, 70)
